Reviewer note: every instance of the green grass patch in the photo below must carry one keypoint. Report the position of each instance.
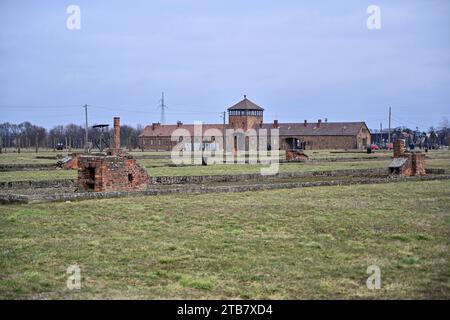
(293, 243)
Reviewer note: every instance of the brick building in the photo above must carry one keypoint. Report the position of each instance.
(247, 115)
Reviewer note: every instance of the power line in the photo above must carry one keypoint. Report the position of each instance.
(408, 122)
(38, 107)
(124, 109)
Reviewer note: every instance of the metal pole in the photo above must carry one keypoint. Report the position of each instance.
(381, 133)
(223, 131)
(86, 130)
(389, 132)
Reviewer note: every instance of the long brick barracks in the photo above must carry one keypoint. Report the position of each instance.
(247, 115)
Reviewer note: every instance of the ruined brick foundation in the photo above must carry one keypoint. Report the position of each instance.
(69, 162)
(407, 163)
(296, 155)
(111, 173)
(115, 171)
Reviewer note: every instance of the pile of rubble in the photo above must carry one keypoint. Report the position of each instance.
(296, 155)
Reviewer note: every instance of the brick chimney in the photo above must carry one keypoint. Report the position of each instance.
(179, 124)
(116, 133)
(306, 123)
(319, 122)
(275, 124)
(155, 125)
(399, 148)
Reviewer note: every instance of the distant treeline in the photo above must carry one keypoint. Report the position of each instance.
(71, 136)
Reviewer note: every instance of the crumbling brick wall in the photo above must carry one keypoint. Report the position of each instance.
(111, 173)
(295, 155)
(70, 162)
(399, 148)
(407, 163)
(115, 171)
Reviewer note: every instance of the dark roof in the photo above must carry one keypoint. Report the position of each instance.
(246, 104)
(313, 128)
(165, 130)
(286, 129)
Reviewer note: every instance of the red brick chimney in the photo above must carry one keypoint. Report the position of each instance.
(116, 133)
(275, 124)
(318, 123)
(306, 123)
(399, 148)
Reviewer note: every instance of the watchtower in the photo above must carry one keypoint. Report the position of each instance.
(245, 115)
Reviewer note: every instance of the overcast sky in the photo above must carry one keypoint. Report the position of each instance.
(297, 59)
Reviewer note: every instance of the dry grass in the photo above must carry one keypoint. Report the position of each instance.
(157, 167)
(300, 243)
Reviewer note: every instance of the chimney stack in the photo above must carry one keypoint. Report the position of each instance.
(179, 124)
(275, 124)
(116, 133)
(318, 123)
(306, 123)
(399, 148)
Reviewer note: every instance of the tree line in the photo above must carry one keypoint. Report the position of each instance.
(26, 135)
(71, 136)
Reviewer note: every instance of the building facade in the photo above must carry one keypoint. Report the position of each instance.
(246, 115)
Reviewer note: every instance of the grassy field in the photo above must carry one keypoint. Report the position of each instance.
(294, 244)
(220, 169)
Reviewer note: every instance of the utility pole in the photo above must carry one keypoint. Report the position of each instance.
(389, 132)
(381, 133)
(163, 106)
(223, 115)
(86, 130)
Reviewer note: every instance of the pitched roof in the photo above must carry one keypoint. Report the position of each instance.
(314, 129)
(166, 130)
(286, 129)
(246, 104)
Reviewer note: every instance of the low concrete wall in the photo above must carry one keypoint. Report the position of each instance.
(169, 180)
(63, 183)
(435, 171)
(27, 167)
(212, 189)
(13, 199)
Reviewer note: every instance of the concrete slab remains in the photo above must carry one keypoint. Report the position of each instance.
(69, 162)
